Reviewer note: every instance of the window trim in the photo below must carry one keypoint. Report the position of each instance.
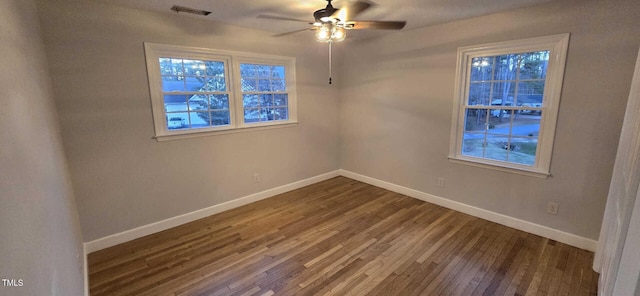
(232, 59)
(557, 45)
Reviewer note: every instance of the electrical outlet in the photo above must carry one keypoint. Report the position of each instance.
(256, 178)
(440, 182)
(552, 208)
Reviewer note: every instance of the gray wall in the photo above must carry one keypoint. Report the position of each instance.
(40, 240)
(396, 110)
(122, 177)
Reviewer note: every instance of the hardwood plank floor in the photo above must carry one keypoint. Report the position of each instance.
(342, 237)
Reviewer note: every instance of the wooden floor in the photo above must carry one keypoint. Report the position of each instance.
(342, 237)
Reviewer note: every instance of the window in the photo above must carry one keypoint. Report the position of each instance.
(506, 103)
(263, 94)
(194, 93)
(197, 91)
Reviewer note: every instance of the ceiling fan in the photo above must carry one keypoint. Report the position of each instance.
(331, 23)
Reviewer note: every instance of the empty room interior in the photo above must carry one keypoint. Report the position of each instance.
(311, 147)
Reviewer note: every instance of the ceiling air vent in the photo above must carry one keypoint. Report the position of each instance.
(177, 8)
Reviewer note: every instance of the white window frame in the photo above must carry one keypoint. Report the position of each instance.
(232, 60)
(557, 46)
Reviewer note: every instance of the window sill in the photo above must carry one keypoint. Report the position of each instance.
(231, 130)
(503, 168)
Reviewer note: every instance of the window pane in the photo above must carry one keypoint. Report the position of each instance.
(503, 94)
(481, 68)
(173, 103)
(479, 93)
(219, 102)
(250, 101)
(207, 119)
(266, 114)
(266, 100)
(263, 71)
(194, 83)
(172, 83)
(278, 85)
(177, 120)
(280, 100)
(271, 114)
(473, 145)
(247, 70)
(220, 118)
(263, 85)
(523, 150)
(249, 84)
(530, 93)
(252, 115)
(505, 67)
(169, 66)
(534, 65)
(476, 120)
(215, 68)
(199, 119)
(277, 72)
(526, 125)
(500, 125)
(194, 67)
(199, 102)
(214, 84)
(497, 147)
(280, 114)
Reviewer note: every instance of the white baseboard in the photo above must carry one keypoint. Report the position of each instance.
(125, 236)
(526, 226)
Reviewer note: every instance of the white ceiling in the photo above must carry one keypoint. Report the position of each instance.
(417, 13)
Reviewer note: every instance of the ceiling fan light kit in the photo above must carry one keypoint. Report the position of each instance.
(329, 32)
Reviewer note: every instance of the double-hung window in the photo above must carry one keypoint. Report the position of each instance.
(196, 91)
(264, 94)
(506, 103)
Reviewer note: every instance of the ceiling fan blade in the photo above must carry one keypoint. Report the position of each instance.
(293, 32)
(282, 18)
(377, 25)
(349, 12)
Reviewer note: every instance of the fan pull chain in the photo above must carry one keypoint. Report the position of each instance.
(330, 60)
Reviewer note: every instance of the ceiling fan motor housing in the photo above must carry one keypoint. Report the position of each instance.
(325, 12)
